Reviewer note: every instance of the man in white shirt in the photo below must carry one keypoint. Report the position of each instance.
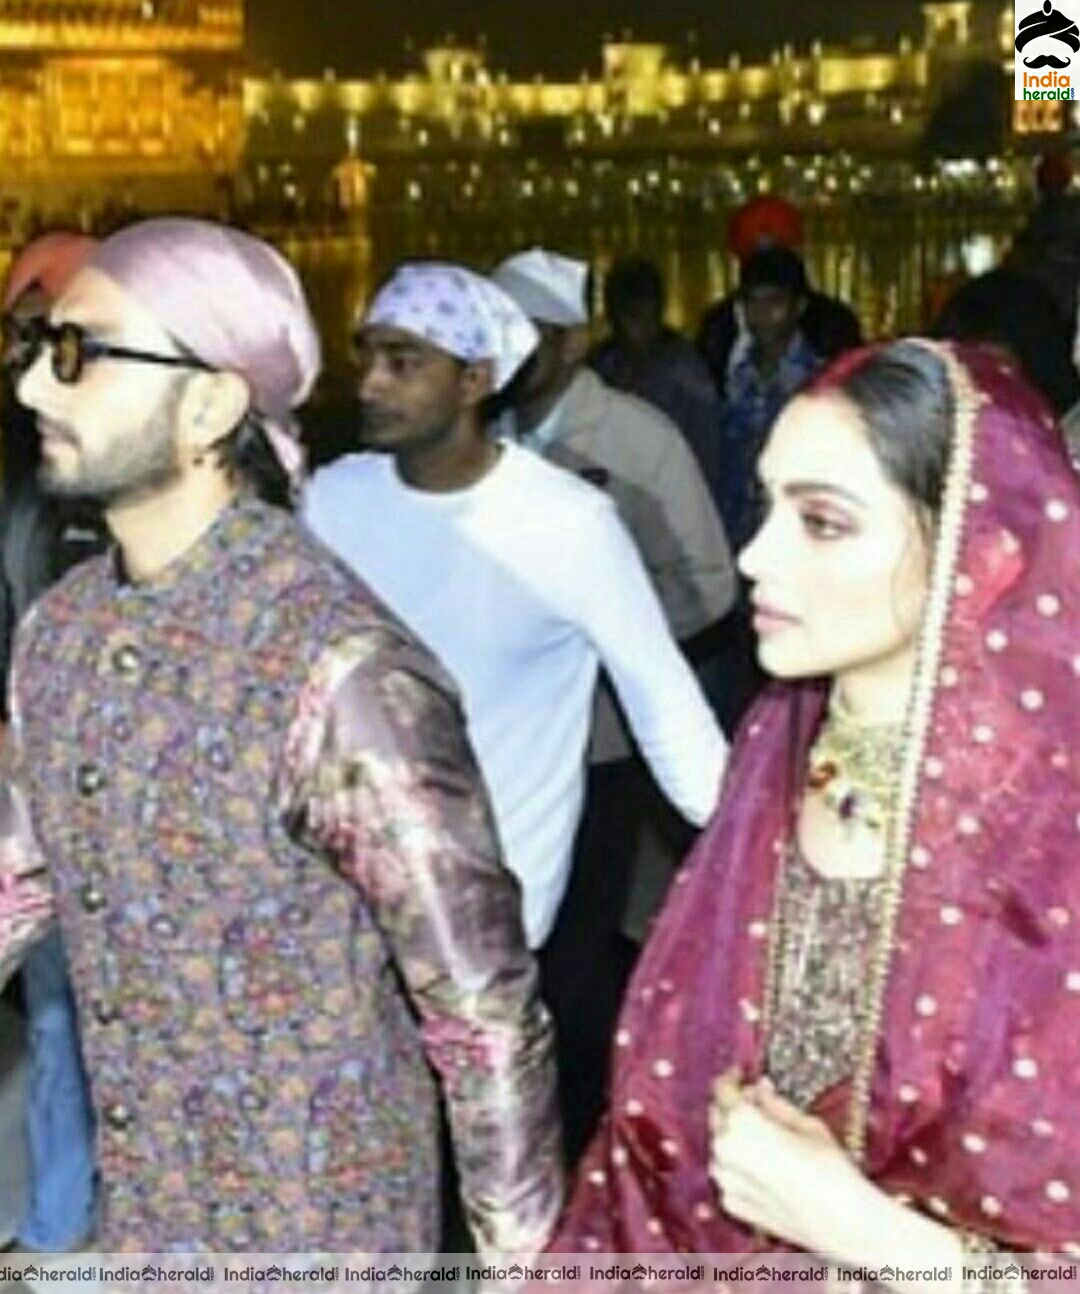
(518, 575)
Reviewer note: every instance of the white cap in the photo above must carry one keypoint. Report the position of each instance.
(549, 288)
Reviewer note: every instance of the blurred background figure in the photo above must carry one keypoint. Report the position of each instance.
(1048, 246)
(830, 326)
(1017, 314)
(647, 358)
(771, 361)
(770, 364)
(625, 446)
(937, 294)
(40, 539)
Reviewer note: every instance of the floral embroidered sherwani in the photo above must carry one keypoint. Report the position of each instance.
(246, 790)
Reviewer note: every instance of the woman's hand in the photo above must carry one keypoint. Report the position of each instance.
(782, 1171)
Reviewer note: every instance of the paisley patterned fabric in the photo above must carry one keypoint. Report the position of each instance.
(279, 885)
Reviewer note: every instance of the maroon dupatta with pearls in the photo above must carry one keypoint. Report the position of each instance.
(965, 1096)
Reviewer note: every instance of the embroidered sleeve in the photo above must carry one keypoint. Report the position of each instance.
(380, 773)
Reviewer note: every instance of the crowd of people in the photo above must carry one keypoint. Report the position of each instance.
(327, 797)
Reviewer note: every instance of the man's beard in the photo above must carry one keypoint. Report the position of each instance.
(142, 463)
(381, 430)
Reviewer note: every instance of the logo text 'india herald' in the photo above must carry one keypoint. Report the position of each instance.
(1047, 41)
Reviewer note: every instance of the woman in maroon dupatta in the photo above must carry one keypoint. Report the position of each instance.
(856, 1027)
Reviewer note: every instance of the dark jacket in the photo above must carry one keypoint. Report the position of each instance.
(828, 325)
(40, 539)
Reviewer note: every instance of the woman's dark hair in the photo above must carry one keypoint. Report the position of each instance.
(246, 454)
(903, 395)
(1017, 312)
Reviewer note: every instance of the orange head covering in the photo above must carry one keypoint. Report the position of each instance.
(761, 222)
(49, 262)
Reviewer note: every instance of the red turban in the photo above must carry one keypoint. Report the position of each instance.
(49, 262)
(761, 222)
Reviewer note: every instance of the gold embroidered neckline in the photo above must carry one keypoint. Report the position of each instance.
(854, 768)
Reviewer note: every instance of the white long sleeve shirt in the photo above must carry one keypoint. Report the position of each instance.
(524, 584)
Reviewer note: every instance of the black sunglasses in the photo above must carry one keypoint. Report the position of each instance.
(72, 348)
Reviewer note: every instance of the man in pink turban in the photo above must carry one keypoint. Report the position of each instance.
(254, 808)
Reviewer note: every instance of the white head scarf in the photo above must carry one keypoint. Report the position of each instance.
(459, 312)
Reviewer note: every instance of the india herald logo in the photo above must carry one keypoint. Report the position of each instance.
(1043, 35)
(1046, 41)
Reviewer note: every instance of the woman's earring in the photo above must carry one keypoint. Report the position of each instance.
(200, 421)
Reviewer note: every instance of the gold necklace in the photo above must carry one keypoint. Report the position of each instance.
(855, 768)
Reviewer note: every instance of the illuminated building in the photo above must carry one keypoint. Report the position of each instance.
(143, 101)
(131, 99)
(861, 99)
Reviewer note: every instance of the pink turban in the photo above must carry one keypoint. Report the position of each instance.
(232, 301)
(49, 262)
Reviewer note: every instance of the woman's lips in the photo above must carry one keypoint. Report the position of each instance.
(768, 620)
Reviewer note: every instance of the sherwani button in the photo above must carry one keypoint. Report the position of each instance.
(106, 1011)
(89, 779)
(118, 1116)
(126, 660)
(93, 899)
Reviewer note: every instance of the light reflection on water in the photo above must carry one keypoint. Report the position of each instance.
(881, 256)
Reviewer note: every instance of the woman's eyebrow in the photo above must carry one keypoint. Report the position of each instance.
(797, 489)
